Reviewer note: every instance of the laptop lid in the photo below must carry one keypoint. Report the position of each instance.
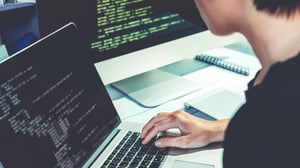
(55, 111)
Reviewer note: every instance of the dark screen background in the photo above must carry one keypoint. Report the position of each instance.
(112, 28)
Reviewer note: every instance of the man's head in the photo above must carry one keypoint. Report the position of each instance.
(286, 7)
(228, 16)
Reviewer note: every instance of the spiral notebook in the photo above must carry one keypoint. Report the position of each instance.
(243, 70)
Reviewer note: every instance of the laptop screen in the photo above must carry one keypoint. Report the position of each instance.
(55, 110)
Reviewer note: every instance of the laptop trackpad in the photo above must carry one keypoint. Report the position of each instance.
(181, 164)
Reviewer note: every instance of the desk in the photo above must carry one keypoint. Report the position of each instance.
(211, 78)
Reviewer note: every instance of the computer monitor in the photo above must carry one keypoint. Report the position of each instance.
(129, 28)
(116, 27)
(131, 37)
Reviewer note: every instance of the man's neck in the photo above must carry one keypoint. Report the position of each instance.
(276, 43)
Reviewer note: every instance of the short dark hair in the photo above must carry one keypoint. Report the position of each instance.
(278, 6)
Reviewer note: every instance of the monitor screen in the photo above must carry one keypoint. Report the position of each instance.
(115, 27)
(129, 37)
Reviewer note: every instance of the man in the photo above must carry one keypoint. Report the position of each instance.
(263, 133)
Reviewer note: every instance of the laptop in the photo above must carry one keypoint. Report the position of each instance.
(56, 112)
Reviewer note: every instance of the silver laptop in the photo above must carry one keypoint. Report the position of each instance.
(56, 113)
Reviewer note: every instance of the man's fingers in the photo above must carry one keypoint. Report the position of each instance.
(152, 122)
(183, 142)
(180, 142)
(158, 127)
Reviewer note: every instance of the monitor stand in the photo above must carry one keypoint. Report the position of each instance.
(158, 86)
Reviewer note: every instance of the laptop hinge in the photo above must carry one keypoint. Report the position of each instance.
(101, 148)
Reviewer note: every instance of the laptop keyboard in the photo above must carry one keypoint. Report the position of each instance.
(130, 153)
